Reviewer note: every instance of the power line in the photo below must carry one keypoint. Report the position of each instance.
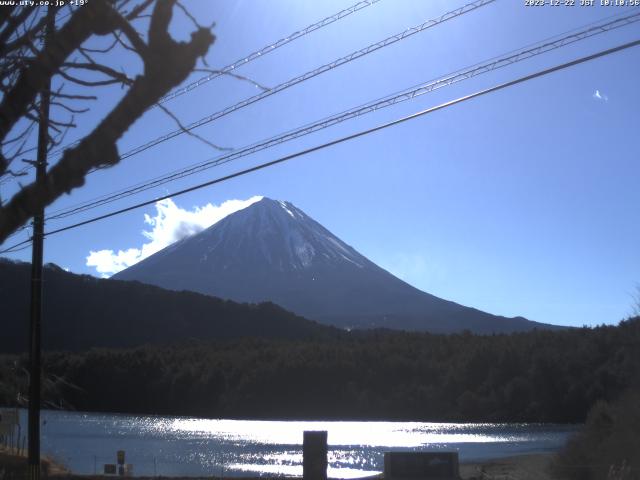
(255, 55)
(269, 48)
(301, 78)
(407, 94)
(311, 74)
(14, 248)
(345, 138)
(336, 63)
(237, 64)
(362, 133)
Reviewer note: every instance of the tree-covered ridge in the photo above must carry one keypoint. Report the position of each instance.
(83, 312)
(540, 376)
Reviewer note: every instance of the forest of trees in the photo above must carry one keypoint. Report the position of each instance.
(83, 311)
(540, 376)
(608, 447)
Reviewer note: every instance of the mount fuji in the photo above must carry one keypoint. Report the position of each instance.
(273, 251)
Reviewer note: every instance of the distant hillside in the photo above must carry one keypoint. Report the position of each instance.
(273, 251)
(538, 376)
(83, 312)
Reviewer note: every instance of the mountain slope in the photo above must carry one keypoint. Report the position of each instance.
(81, 312)
(273, 251)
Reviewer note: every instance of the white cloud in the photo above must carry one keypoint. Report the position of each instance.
(597, 95)
(170, 224)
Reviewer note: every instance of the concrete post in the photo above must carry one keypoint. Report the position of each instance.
(314, 453)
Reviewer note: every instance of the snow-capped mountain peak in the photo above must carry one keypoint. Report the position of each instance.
(273, 251)
(283, 236)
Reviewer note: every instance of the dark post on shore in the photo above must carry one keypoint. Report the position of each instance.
(314, 456)
(36, 280)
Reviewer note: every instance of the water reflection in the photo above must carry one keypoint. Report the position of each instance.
(389, 434)
(171, 446)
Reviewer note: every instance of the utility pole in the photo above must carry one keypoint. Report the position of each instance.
(35, 349)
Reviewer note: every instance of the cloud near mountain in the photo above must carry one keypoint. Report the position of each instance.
(273, 251)
(170, 224)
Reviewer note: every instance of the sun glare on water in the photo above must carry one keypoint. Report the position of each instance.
(379, 434)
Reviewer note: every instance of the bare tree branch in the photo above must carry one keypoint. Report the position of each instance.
(19, 136)
(167, 63)
(99, 50)
(69, 109)
(26, 37)
(135, 13)
(73, 97)
(233, 75)
(95, 17)
(89, 83)
(13, 23)
(188, 15)
(96, 67)
(57, 123)
(5, 13)
(137, 44)
(190, 132)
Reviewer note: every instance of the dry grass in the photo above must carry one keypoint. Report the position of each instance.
(13, 466)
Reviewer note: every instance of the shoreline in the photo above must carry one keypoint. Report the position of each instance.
(306, 418)
(533, 466)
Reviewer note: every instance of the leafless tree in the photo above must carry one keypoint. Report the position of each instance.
(79, 68)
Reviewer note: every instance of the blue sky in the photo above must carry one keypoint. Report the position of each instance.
(522, 202)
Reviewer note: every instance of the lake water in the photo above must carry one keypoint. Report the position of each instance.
(171, 446)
